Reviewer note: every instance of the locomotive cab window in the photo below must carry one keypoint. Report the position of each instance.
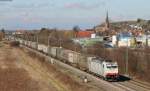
(114, 66)
(109, 67)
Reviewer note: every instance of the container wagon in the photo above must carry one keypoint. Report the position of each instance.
(29, 44)
(53, 51)
(34, 45)
(73, 57)
(62, 54)
(40, 47)
(20, 41)
(25, 43)
(45, 49)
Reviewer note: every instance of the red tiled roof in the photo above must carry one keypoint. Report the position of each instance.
(84, 34)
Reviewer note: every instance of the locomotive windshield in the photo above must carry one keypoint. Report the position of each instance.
(108, 66)
(112, 66)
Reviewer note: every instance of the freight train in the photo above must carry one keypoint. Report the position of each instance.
(106, 69)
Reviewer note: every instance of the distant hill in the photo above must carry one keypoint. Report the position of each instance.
(145, 24)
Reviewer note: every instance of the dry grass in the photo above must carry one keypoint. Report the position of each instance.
(67, 80)
(63, 78)
(14, 79)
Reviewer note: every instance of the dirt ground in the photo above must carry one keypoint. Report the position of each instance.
(22, 71)
(15, 75)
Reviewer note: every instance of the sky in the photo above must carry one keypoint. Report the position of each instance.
(64, 14)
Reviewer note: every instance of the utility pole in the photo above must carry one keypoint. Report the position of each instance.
(147, 38)
(37, 40)
(48, 43)
(34, 40)
(48, 40)
(60, 41)
(127, 57)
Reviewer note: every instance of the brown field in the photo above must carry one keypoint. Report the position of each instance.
(21, 70)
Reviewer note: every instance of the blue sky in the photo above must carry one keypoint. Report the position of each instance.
(34, 14)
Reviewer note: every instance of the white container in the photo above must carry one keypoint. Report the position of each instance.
(96, 66)
(71, 57)
(34, 45)
(29, 43)
(53, 51)
(45, 49)
(25, 42)
(40, 47)
(75, 57)
(21, 41)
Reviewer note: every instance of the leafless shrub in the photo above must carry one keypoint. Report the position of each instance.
(14, 44)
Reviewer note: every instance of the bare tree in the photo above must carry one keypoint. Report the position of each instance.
(76, 29)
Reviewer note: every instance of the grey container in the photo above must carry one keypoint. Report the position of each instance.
(34, 45)
(96, 66)
(53, 51)
(63, 54)
(73, 57)
(82, 62)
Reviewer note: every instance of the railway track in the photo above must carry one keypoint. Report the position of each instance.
(131, 85)
(138, 83)
(123, 87)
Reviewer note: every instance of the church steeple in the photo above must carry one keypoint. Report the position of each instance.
(107, 21)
